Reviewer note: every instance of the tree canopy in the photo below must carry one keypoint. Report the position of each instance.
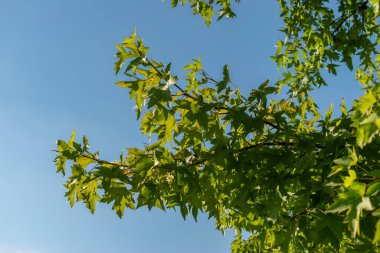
(286, 176)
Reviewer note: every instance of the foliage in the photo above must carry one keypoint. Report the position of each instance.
(206, 9)
(277, 170)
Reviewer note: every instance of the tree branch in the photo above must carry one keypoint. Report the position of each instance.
(175, 85)
(252, 146)
(128, 172)
(344, 19)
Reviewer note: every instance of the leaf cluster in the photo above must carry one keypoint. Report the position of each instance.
(276, 168)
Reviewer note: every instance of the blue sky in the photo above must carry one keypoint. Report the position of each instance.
(56, 75)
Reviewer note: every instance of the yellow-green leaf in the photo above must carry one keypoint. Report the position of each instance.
(376, 238)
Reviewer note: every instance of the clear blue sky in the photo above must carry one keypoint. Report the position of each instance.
(56, 75)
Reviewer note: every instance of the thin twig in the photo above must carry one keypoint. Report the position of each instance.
(272, 125)
(373, 210)
(175, 85)
(102, 161)
(128, 172)
(205, 74)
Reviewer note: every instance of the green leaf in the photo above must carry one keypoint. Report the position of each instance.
(346, 200)
(344, 108)
(351, 178)
(226, 74)
(365, 102)
(174, 3)
(84, 161)
(60, 162)
(169, 127)
(194, 212)
(153, 146)
(374, 173)
(125, 84)
(373, 188)
(184, 211)
(263, 85)
(71, 142)
(376, 238)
